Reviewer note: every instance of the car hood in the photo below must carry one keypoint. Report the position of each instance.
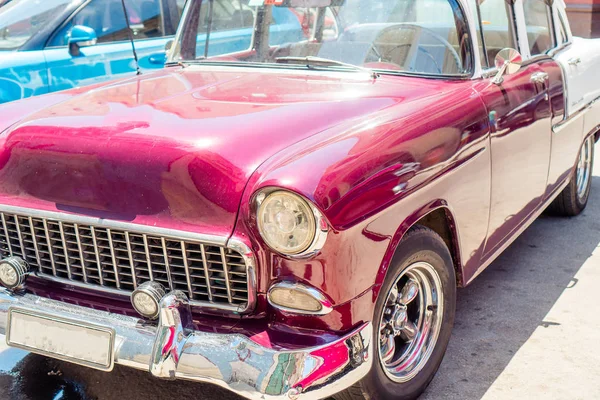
(177, 148)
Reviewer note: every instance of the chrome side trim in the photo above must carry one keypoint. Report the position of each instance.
(574, 115)
(326, 305)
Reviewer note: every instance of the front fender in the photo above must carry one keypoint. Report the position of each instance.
(372, 180)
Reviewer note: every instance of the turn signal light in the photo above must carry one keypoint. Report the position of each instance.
(298, 298)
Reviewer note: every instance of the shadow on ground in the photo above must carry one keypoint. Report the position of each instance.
(500, 310)
(496, 315)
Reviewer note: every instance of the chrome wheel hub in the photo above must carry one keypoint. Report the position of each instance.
(411, 321)
(584, 168)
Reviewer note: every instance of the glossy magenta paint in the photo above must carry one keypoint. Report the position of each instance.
(187, 148)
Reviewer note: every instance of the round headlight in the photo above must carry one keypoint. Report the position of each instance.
(286, 222)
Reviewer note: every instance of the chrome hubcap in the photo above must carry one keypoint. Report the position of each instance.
(411, 321)
(584, 168)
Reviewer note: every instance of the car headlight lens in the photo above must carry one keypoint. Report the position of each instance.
(286, 222)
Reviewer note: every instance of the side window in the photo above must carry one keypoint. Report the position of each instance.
(562, 30)
(495, 20)
(539, 26)
(108, 20)
(227, 15)
(145, 19)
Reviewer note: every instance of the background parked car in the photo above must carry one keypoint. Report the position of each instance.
(50, 45)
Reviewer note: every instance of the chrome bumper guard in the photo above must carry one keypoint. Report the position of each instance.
(173, 350)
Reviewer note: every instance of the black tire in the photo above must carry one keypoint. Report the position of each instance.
(419, 244)
(568, 203)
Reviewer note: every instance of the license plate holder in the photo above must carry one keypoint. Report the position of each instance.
(66, 339)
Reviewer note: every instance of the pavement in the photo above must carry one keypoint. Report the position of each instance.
(528, 327)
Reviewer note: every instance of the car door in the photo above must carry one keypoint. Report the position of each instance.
(520, 124)
(579, 59)
(152, 24)
(543, 42)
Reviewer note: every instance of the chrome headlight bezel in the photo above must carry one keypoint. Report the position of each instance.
(319, 224)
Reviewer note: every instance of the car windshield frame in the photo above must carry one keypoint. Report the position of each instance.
(23, 11)
(187, 36)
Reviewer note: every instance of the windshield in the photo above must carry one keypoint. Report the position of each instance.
(22, 19)
(426, 37)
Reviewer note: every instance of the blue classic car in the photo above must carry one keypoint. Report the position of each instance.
(50, 45)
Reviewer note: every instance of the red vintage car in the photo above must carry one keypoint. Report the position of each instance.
(293, 221)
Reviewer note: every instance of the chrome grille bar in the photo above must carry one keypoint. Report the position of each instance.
(115, 257)
(23, 250)
(131, 263)
(81, 258)
(148, 259)
(65, 249)
(97, 254)
(168, 267)
(33, 238)
(206, 273)
(49, 241)
(226, 272)
(10, 251)
(187, 269)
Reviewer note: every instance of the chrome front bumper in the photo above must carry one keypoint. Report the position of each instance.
(170, 350)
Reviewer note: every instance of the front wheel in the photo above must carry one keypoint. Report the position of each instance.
(413, 320)
(573, 199)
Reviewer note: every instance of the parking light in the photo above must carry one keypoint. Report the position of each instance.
(13, 272)
(146, 299)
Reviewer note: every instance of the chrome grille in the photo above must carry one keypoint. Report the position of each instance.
(121, 259)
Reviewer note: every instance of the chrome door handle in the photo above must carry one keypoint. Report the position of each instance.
(539, 77)
(574, 61)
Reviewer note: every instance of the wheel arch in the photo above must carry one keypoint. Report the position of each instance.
(438, 217)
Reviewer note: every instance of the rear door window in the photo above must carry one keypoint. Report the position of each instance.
(538, 19)
(494, 19)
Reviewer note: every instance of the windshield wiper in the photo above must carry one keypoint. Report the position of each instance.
(312, 62)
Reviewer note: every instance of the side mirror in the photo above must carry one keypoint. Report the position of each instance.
(508, 61)
(80, 36)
